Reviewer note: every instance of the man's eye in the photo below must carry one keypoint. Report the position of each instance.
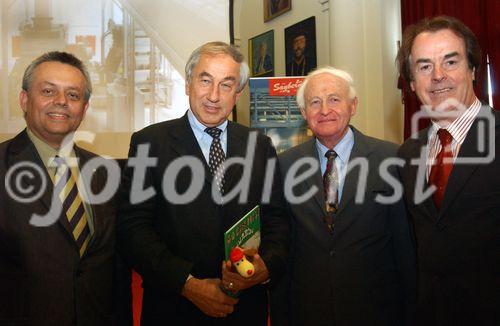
(450, 63)
(424, 68)
(333, 100)
(227, 86)
(205, 81)
(74, 96)
(47, 91)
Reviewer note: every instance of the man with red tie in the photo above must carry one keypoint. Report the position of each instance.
(453, 191)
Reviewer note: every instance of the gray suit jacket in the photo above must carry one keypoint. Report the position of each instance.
(363, 274)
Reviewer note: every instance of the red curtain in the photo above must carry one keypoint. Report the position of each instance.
(481, 16)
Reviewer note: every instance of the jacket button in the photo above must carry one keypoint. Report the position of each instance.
(79, 272)
(332, 253)
(440, 226)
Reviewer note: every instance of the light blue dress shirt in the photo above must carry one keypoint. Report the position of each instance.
(204, 139)
(343, 150)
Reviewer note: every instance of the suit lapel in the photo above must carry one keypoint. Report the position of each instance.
(23, 150)
(360, 149)
(316, 180)
(237, 142)
(185, 144)
(418, 152)
(462, 172)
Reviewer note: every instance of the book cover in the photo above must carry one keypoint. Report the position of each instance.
(274, 111)
(245, 233)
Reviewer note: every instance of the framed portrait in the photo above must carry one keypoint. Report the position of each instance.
(274, 8)
(300, 47)
(261, 54)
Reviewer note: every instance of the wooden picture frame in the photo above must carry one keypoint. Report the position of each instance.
(261, 54)
(275, 8)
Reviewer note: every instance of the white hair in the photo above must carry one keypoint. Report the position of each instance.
(344, 75)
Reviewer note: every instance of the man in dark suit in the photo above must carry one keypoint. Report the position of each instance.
(352, 259)
(56, 265)
(177, 244)
(457, 221)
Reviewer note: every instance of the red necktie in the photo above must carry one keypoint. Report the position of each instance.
(442, 168)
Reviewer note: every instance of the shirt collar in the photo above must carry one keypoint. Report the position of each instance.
(343, 147)
(199, 127)
(460, 126)
(47, 153)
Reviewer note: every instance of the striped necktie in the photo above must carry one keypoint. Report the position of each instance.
(72, 205)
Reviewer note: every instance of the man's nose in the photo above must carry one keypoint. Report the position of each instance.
(325, 109)
(214, 93)
(61, 99)
(438, 74)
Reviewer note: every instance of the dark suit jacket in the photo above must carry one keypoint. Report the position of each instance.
(363, 274)
(165, 241)
(458, 247)
(43, 280)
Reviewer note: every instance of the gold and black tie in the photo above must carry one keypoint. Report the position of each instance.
(72, 205)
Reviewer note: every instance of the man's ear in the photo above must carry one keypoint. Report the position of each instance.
(412, 85)
(474, 74)
(85, 108)
(238, 94)
(23, 100)
(354, 105)
(303, 112)
(186, 87)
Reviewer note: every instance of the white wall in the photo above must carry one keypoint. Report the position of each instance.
(180, 26)
(359, 36)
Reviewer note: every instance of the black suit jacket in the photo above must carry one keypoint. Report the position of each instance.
(165, 241)
(363, 274)
(458, 246)
(43, 280)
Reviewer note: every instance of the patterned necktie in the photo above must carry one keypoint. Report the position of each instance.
(330, 186)
(442, 166)
(216, 157)
(72, 206)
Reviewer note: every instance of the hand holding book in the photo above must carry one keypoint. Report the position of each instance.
(239, 283)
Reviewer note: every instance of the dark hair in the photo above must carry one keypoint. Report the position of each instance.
(62, 57)
(472, 48)
(300, 32)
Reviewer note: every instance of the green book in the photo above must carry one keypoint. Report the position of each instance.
(245, 233)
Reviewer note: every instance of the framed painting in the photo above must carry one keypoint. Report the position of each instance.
(274, 8)
(300, 47)
(261, 54)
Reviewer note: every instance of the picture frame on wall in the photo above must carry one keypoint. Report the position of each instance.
(300, 47)
(261, 54)
(275, 8)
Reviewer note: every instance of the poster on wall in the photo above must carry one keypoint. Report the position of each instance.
(261, 54)
(274, 8)
(274, 111)
(300, 47)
